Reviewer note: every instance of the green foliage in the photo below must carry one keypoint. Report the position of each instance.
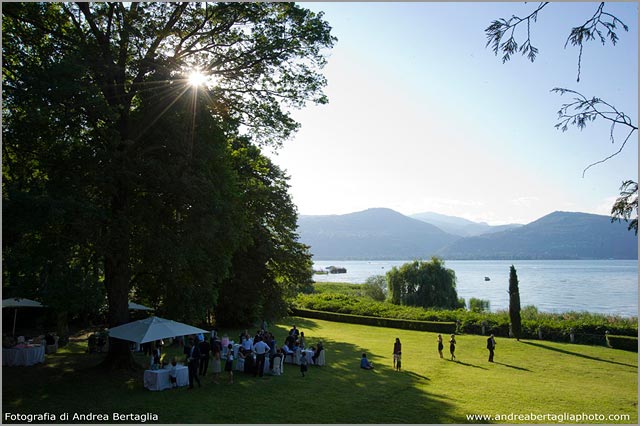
(626, 343)
(357, 305)
(116, 171)
(404, 324)
(426, 284)
(339, 288)
(587, 327)
(478, 305)
(274, 265)
(514, 303)
(375, 287)
(626, 204)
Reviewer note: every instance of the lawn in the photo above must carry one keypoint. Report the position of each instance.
(529, 377)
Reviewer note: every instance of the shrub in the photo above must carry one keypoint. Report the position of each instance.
(433, 326)
(478, 305)
(626, 343)
(375, 287)
(588, 328)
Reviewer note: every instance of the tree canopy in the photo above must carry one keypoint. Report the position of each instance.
(426, 284)
(122, 177)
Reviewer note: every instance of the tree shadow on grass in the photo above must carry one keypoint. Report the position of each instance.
(564, 351)
(469, 365)
(356, 395)
(511, 366)
(416, 375)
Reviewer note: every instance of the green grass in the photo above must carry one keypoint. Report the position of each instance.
(528, 377)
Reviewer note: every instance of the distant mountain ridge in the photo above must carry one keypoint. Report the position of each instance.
(459, 226)
(371, 234)
(379, 233)
(559, 235)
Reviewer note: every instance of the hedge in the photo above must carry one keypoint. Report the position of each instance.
(626, 343)
(433, 326)
(587, 328)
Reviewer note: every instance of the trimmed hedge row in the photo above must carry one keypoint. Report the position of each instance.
(587, 328)
(432, 326)
(626, 343)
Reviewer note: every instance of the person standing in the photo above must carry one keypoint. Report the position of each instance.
(440, 345)
(193, 361)
(452, 346)
(397, 353)
(216, 368)
(261, 349)
(491, 345)
(316, 353)
(228, 365)
(173, 373)
(294, 332)
(205, 348)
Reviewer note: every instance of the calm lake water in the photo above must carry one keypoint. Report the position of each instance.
(604, 286)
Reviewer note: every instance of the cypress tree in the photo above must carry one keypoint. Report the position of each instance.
(514, 303)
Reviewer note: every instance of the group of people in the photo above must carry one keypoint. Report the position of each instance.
(251, 355)
(491, 346)
(397, 351)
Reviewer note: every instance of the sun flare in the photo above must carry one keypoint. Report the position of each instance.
(196, 78)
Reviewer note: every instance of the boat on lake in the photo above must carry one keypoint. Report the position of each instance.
(336, 270)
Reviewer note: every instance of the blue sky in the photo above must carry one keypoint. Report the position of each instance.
(423, 117)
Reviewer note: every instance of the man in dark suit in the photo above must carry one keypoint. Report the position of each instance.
(205, 348)
(193, 361)
(491, 345)
(294, 332)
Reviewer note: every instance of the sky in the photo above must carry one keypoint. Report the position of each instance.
(423, 117)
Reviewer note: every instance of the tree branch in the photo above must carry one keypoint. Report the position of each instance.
(587, 110)
(498, 28)
(589, 30)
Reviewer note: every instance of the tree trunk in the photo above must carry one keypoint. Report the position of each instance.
(117, 282)
(62, 324)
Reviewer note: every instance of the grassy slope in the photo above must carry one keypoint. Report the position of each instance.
(528, 377)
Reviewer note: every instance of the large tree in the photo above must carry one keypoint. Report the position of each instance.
(86, 88)
(426, 284)
(503, 35)
(273, 264)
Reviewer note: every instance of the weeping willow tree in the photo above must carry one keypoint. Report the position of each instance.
(426, 284)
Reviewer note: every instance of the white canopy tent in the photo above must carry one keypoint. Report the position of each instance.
(137, 307)
(152, 328)
(18, 302)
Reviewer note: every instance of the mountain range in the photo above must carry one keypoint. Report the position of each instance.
(379, 233)
(459, 226)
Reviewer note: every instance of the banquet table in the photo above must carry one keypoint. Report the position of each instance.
(23, 355)
(157, 380)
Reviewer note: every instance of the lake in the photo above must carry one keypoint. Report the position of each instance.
(602, 286)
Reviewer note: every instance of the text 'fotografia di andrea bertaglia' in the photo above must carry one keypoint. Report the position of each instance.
(79, 417)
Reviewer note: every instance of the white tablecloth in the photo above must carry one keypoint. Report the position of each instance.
(23, 356)
(308, 354)
(157, 380)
